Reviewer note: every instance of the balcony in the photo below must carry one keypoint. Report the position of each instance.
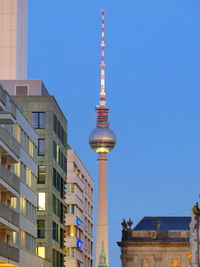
(9, 252)
(72, 220)
(77, 254)
(10, 144)
(7, 118)
(8, 109)
(70, 241)
(72, 198)
(8, 214)
(74, 179)
(10, 178)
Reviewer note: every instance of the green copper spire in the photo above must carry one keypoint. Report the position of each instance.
(102, 257)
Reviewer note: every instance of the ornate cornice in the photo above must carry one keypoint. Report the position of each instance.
(153, 244)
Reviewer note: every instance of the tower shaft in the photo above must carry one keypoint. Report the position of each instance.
(13, 36)
(102, 221)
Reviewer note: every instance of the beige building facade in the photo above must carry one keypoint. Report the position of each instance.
(79, 213)
(194, 241)
(13, 39)
(156, 242)
(45, 115)
(18, 197)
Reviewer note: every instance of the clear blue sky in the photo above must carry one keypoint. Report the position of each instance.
(153, 91)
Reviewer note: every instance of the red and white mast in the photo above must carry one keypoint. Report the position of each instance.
(102, 93)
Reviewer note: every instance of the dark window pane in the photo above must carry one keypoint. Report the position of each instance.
(54, 204)
(55, 123)
(54, 177)
(41, 147)
(35, 119)
(41, 228)
(41, 120)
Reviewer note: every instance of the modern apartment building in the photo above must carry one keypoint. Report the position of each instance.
(18, 197)
(45, 115)
(13, 39)
(79, 213)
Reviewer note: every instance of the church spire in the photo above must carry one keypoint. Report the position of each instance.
(102, 257)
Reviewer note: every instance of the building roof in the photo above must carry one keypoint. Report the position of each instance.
(166, 223)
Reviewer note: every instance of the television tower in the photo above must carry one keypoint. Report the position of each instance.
(102, 140)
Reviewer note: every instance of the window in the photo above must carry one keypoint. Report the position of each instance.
(41, 174)
(38, 120)
(70, 209)
(31, 148)
(15, 238)
(59, 131)
(58, 259)
(70, 230)
(174, 262)
(14, 202)
(58, 208)
(59, 157)
(41, 201)
(41, 228)
(144, 263)
(58, 183)
(41, 252)
(70, 188)
(70, 252)
(41, 146)
(55, 231)
(61, 238)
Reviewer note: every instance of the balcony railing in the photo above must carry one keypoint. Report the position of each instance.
(8, 214)
(2, 96)
(11, 108)
(9, 252)
(10, 178)
(10, 141)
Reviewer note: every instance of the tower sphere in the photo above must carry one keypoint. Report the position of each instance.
(102, 140)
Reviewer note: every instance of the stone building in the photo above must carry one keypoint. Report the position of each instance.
(156, 242)
(79, 213)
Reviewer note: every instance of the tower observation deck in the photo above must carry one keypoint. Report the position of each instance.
(102, 140)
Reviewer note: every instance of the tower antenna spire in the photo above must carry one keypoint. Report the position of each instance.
(102, 140)
(102, 93)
